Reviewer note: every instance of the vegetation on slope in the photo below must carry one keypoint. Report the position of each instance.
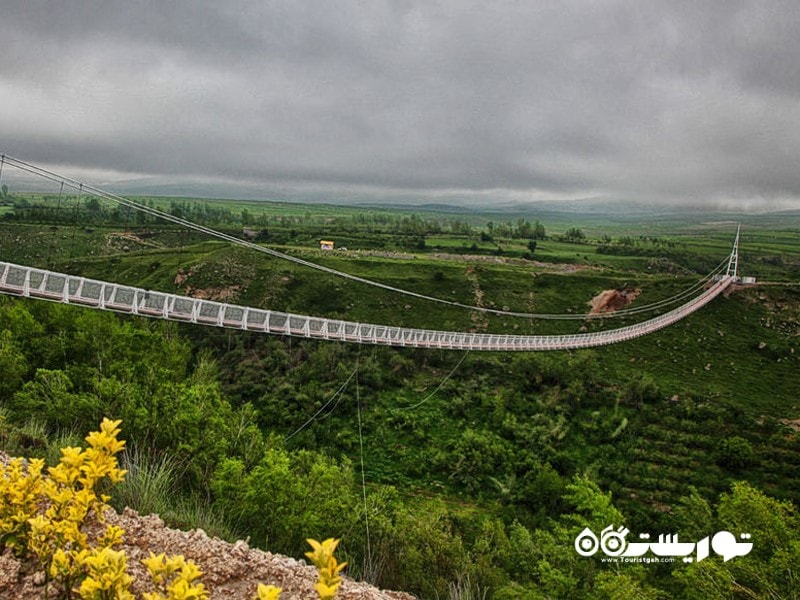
(479, 480)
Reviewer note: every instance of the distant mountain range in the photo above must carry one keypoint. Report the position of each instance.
(453, 203)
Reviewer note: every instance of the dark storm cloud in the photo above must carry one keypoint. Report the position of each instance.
(666, 102)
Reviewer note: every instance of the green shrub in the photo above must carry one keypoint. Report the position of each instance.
(285, 495)
(735, 453)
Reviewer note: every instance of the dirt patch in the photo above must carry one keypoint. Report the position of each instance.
(222, 273)
(218, 294)
(477, 317)
(127, 241)
(229, 570)
(793, 424)
(182, 276)
(609, 301)
(557, 268)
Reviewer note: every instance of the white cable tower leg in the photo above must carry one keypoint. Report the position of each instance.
(733, 261)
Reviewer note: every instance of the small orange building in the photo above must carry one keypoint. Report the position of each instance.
(326, 244)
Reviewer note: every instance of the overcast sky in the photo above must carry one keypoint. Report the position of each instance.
(664, 102)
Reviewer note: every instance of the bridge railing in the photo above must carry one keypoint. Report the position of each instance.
(68, 289)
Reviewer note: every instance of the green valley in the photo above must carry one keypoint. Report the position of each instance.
(480, 468)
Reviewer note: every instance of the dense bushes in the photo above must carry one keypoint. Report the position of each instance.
(506, 443)
(285, 495)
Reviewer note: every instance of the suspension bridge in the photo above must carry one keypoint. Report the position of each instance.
(30, 282)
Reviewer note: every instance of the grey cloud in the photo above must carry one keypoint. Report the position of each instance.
(648, 101)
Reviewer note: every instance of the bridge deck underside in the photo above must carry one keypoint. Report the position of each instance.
(47, 285)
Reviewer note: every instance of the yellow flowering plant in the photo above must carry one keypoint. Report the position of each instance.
(328, 567)
(20, 495)
(71, 493)
(107, 577)
(44, 514)
(174, 578)
(267, 592)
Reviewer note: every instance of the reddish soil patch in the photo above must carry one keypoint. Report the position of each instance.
(609, 301)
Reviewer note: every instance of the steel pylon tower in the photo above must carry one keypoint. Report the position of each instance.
(733, 261)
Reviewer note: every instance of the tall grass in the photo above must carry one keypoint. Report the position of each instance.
(464, 589)
(151, 486)
(198, 513)
(150, 482)
(29, 438)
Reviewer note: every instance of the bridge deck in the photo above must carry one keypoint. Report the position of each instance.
(30, 282)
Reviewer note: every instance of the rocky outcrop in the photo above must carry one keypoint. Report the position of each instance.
(229, 570)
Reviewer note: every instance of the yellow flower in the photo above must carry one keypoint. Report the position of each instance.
(333, 568)
(112, 536)
(107, 576)
(175, 575)
(325, 591)
(155, 565)
(72, 457)
(60, 564)
(106, 438)
(267, 592)
(328, 566)
(183, 590)
(190, 571)
(44, 516)
(322, 552)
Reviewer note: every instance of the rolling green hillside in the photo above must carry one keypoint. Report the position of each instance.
(470, 437)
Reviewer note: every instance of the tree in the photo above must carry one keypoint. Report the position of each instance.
(559, 572)
(769, 570)
(694, 516)
(524, 229)
(532, 246)
(573, 234)
(13, 365)
(736, 453)
(477, 455)
(639, 389)
(287, 495)
(93, 206)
